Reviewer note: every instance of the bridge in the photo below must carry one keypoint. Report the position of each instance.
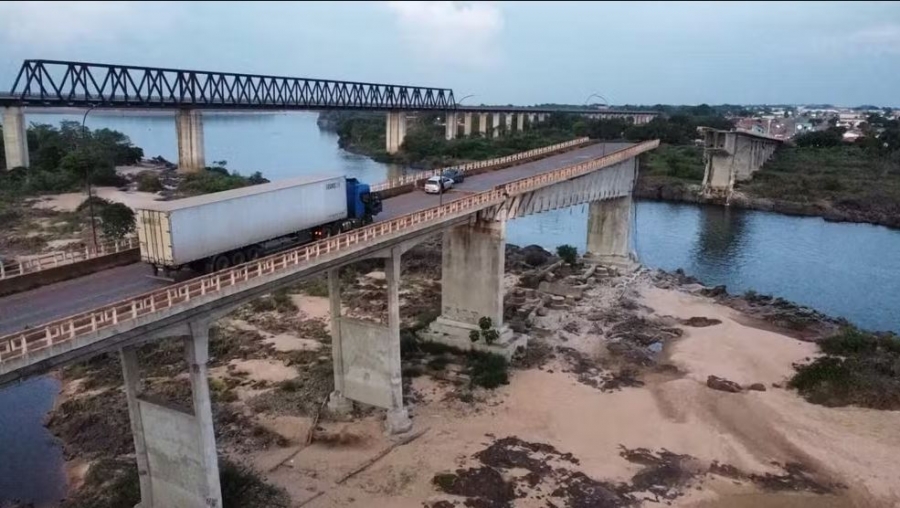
(176, 450)
(66, 84)
(733, 156)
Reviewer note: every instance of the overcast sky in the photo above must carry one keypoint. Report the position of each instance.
(521, 53)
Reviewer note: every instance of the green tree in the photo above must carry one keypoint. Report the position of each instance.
(567, 253)
(117, 221)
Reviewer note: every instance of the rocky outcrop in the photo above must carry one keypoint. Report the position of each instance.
(722, 384)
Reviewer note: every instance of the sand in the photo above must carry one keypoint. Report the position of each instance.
(69, 201)
(749, 430)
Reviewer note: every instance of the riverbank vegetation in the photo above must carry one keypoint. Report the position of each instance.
(857, 368)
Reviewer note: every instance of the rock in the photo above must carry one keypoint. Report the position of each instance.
(591, 280)
(700, 322)
(776, 385)
(715, 291)
(722, 384)
(759, 387)
(542, 311)
(560, 289)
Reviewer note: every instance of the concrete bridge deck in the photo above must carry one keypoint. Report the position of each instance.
(70, 297)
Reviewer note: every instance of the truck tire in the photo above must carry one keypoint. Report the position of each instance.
(252, 253)
(220, 262)
(238, 258)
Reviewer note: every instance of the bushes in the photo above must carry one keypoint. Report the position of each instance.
(567, 253)
(488, 370)
(117, 220)
(148, 181)
(858, 368)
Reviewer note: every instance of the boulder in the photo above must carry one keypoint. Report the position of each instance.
(560, 289)
(759, 387)
(715, 291)
(722, 384)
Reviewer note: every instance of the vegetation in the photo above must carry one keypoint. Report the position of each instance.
(148, 181)
(567, 253)
(677, 162)
(486, 332)
(488, 370)
(858, 368)
(117, 221)
(216, 179)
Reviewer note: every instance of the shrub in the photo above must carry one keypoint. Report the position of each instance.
(283, 302)
(243, 487)
(117, 221)
(148, 181)
(488, 370)
(98, 202)
(849, 341)
(289, 385)
(567, 253)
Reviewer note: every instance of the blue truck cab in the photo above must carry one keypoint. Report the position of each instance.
(362, 204)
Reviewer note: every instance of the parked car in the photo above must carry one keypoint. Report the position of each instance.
(434, 184)
(456, 175)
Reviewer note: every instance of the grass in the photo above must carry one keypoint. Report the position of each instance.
(681, 162)
(858, 368)
(488, 370)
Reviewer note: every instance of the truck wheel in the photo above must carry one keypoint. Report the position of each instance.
(220, 263)
(252, 253)
(238, 258)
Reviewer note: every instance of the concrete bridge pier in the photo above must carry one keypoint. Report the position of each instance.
(482, 124)
(367, 366)
(15, 139)
(473, 262)
(509, 123)
(609, 231)
(191, 154)
(520, 122)
(495, 131)
(450, 126)
(175, 448)
(467, 124)
(395, 130)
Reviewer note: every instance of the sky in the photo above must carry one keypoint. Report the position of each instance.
(844, 53)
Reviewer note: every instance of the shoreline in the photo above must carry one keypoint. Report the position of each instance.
(689, 193)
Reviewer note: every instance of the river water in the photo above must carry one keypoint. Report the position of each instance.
(847, 270)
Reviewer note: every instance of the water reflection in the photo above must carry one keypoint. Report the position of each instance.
(720, 239)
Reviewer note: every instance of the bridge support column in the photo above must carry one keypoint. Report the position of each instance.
(176, 450)
(191, 155)
(609, 231)
(467, 124)
(367, 365)
(520, 122)
(482, 124)
(450, 126)
(495, 131)
(473, 260)
(395, 131)
(15, 139)
(509, 123)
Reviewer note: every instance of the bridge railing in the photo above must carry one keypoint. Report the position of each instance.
(472, 166)
(20, 344)
(48, 260)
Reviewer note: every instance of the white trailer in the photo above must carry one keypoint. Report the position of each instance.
(214, 231)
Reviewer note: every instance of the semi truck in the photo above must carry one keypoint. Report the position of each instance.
(212, 232)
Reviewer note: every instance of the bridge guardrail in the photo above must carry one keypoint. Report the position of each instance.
(471, 166)
(19, 344)
(47, 260)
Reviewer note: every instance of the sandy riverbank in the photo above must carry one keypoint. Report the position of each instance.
(609, 406)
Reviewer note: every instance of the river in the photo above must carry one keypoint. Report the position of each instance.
(847, 270)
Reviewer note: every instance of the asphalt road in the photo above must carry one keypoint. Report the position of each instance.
(40, 305)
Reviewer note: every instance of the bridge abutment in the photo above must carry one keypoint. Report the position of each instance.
(609, 231)
(15, 138)
(191, 154)
(395, 130)
(175, 449)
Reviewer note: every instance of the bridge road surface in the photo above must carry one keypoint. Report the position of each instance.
(46, 303)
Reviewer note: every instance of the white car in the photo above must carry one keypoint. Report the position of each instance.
(433, 184)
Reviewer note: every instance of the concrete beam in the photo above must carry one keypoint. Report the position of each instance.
(15, 138)
(189, 127)
(609, 231)
(450, 126)
(395, 127)
(467, 124)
